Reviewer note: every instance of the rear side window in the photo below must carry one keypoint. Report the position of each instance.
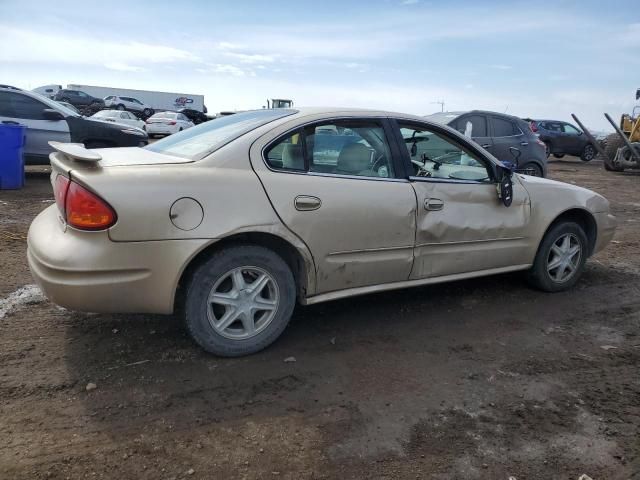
(197, 142)
(504, 128)
(350, 147)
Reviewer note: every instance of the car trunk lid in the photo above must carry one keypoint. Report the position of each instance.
(74, 156)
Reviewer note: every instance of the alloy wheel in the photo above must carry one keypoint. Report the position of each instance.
(564, 258)
(243, 302)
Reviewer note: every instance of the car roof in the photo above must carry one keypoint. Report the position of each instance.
(446, 117)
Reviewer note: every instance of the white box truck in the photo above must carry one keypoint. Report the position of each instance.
(156, 100)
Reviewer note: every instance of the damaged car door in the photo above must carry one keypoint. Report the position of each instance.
(336, 185)
(462, 225)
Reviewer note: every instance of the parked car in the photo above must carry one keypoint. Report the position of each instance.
(128, 103)
(69, 106)
(235, 220)
(196, 116)
(166, 123)
(508, 138)
(123, 117)
(562, 138)
(48, 120)
(78, 98)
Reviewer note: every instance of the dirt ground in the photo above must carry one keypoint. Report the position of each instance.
(483, 379)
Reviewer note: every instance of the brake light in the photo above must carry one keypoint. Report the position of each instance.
(533, 127)
(60, 188)
(86, 211)
(172, 123)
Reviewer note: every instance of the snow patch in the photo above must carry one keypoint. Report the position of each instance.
(27, 295)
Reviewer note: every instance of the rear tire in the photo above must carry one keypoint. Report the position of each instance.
(229, 276)
(543, 275)
(588, 154)
(120, 107)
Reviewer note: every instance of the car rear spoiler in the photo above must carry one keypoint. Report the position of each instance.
(76, 151)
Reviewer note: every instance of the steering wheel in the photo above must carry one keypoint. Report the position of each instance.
(422, 171)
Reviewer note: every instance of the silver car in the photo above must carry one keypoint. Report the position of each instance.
(235, 220)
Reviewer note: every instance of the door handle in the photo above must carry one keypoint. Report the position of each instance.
(486, 145)
(433, 204)
(524, 144)
(305, 203)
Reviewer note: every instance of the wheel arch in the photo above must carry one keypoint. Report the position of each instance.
(300, 263)
(582, 217)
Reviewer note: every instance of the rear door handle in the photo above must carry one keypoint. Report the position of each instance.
(305, 203)
(486, 145)
(524, 144)
(433, 204)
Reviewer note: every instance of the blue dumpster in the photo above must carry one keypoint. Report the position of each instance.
(12, 139)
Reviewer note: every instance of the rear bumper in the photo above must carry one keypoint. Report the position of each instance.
(87, 271)
(606, 224)
(161, 129)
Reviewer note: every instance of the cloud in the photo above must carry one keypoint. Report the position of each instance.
(123, 67)
(409, 2)
(21, 45)
(251, 58)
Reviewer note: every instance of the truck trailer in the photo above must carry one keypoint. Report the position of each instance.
(156, 100)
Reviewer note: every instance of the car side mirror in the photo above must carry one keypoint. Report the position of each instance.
(505, 187)
(51, 114)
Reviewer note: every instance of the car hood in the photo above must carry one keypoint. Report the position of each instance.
(554, 194)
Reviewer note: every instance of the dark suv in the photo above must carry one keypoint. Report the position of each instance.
(79, 99)
(563, 138)
(508, 138)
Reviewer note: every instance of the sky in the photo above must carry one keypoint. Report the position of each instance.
(531, 59)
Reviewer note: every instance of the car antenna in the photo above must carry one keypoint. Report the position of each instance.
(505, 110)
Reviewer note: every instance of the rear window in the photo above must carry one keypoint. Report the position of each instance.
(196, 143)
(164, 115)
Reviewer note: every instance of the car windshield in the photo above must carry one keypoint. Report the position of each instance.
(196, 143)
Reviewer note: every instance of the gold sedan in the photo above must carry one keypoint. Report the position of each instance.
(239, 218)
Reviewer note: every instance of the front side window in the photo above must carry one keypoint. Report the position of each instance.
(82, 94)
(570, 129)
(347, 147)
(15, 105)
(473, 126)
(436, 156)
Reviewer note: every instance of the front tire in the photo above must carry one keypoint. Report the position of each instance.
(560, 260)
(239, 301)
(531, 168)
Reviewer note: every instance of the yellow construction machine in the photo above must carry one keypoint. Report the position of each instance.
(620, 150)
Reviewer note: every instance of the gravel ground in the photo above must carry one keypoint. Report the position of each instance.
(479, 379)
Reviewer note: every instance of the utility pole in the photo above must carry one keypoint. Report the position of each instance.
(441, 103)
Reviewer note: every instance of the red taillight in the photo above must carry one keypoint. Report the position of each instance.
(533, 127)
(86, 211)
(172, 123)
(60, 187)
